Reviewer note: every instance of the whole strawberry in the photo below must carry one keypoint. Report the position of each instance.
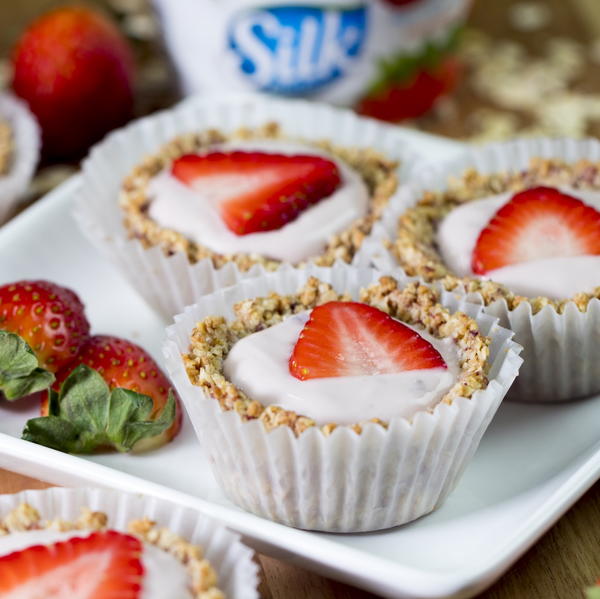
(48, 317)
(75, 70)
(113, 396)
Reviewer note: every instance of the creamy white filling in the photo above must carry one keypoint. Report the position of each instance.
(556, 278)
(194, 213)
(164, 576)
(258, 365)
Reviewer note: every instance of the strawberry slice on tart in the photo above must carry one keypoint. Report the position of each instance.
(535, 224)
(103, 565)
(256, 191)
(354, 339)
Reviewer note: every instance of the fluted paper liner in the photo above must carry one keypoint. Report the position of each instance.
(232, 561)
(171, 283)
(26, 150)
(344, 482)
(561, 351)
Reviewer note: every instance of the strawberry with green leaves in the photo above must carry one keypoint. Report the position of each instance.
(409, 85)
(42, 329)
(114, 396)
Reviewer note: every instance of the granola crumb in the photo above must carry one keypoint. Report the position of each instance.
(24, 517)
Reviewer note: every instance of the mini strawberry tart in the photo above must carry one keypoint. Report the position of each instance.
(526, 241)
(248, 185)
(256, 197)
(342, 402)
(19, 151)
(90, 556)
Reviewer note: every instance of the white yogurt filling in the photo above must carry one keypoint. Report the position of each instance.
(556, 278)
(194, 213)
(258, 365)
(164, 576)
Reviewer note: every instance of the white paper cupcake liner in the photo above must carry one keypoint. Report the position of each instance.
(344, 482)
(232, 561)
(26, 152)
(561, 351)
(171, 283)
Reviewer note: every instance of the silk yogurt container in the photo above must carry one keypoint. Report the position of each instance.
(390, 59)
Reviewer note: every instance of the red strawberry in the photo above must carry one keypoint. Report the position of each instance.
(255, 191)
(125, 365)
(352, 339)
(104, 565)
(537, 223)
(50, 318)
(75, 70)
(413, 97)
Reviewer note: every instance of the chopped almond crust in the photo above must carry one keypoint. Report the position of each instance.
(203, 577)
(415, 247)
(6, 147)
(378, 173)
(416, 304)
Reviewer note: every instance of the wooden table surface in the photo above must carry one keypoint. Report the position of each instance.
(567, 558)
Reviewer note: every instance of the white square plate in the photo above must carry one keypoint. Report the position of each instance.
(533, 463)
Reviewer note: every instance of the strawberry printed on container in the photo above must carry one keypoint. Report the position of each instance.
(409, 84)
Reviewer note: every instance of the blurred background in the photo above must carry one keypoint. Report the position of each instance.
(477, 71)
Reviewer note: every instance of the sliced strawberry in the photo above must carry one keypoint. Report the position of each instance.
(537, 223)
(255, 191)
(352, 339)
(104, 565)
